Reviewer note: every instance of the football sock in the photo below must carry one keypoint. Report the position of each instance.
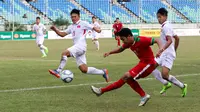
(63, 62)
(118, 42)
(175, 81)
(42, 50)
(97, 44)
(158, 76)
(135, 86)
(92, 70)
(113, 86)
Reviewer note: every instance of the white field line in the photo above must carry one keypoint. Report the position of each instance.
(109, 62)
(79, 85)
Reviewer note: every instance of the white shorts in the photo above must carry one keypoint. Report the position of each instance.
(79, 53)
(165, 60)
(39, 40)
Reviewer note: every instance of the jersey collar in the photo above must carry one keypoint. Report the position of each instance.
(77, 22)
(164, 23)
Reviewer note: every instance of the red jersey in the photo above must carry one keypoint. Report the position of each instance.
(141, 47)
(117, 27)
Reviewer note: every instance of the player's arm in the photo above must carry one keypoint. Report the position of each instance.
(115, 51)
(158, 42)
(44, 30)
(62, 34)
(176, 42)
(97, 29)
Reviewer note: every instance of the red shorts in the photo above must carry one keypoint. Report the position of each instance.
(142, 70)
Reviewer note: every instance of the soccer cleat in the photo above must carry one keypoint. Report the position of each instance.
(184, 90)
(43, 56)
(105, 75)
(96, 91)
(55, 73)
(144, 100)
(46, 51)
(165, 87)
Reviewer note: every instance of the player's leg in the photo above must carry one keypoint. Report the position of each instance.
(117, 38)
(96, 42)
(82, 64)
(166, 85)
(113, 86)
(172, 79)
(39, 42)
(63, 61)
(43, 49)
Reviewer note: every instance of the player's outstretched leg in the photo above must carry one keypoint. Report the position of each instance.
(115, 85)
(96, 42)
(93, 70)
(136, 87)
(166, 85)
(172, 79)
(63, 62)
(43, 49)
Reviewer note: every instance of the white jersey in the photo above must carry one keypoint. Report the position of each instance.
(39, 29)
(167, 30)
(78, 31)
(94, 33)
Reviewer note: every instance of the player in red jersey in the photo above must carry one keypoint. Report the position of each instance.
(141, 47)
(117, 26)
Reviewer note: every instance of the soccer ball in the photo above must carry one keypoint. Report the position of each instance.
(67, 76)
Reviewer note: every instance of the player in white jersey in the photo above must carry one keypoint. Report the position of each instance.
(40, 30)
(170, 43)
(94, 33)
(78, 30)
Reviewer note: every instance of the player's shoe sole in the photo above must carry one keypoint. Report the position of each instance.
(96, 91)
(144, 100)
(52, 72)
(106, 76)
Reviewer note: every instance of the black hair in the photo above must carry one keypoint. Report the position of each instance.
(117, 18)
(115, 21)
(124, 32)
(162, 11)
(37, 17)
(93, 17)
(75, 11)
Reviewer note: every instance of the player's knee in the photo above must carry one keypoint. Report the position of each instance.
(83, 68)
(66, 53)
(126, 76)
(39, 45)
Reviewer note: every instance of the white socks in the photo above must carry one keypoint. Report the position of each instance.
(92, 70)
(158, 76)
(175, 81)
(63, 62)
(172, 79)
(43, 53)
(96, 42)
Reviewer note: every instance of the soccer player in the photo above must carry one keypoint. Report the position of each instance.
(170, 42)
(78, 30)
(141, 47)
(94, 33)
(117, 26)
(40, 30)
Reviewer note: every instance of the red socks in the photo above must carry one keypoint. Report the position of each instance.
(118, 42)
(113, 86)
(135, 86)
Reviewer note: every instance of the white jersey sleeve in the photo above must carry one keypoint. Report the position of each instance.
(87, 26)
(33, 29)
(68, 30)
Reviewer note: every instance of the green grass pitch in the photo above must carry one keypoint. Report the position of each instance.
(26, 85)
